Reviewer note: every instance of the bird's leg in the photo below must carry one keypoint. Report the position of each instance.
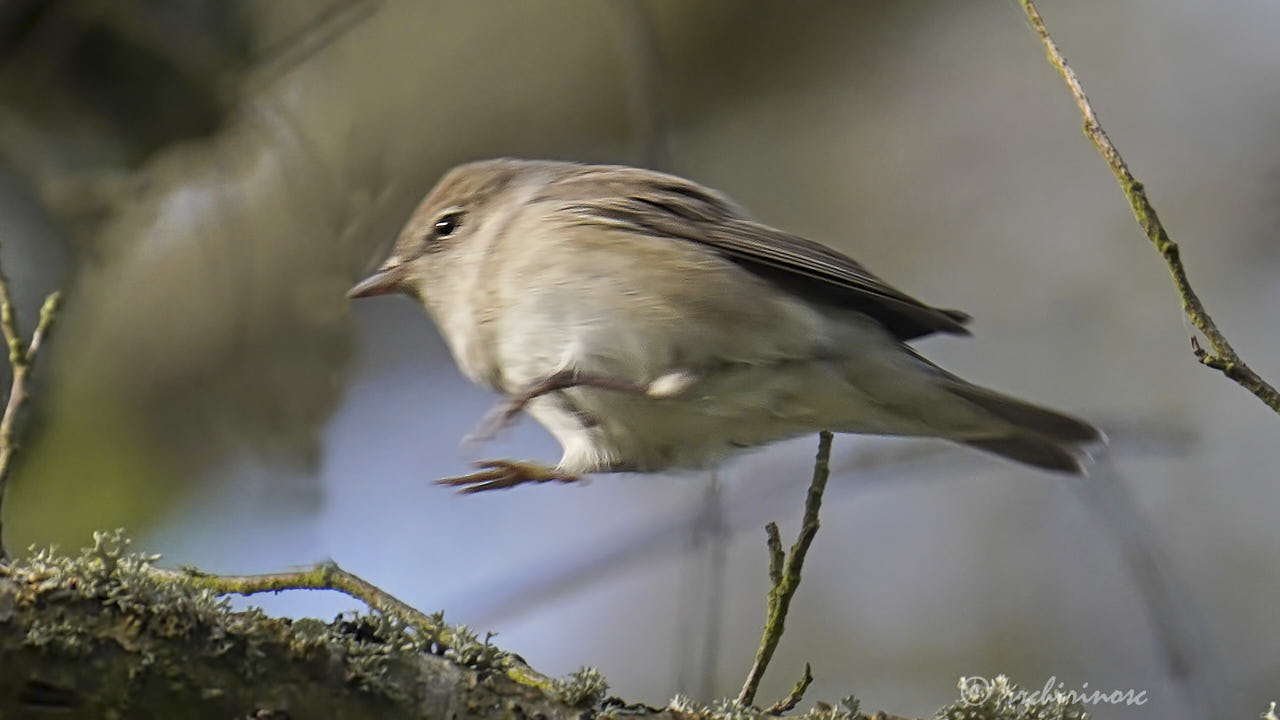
(501, 474)
(506, 411)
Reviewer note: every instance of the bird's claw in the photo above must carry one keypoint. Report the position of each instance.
(502, 474)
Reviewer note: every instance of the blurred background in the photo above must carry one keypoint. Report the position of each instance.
(205, 178)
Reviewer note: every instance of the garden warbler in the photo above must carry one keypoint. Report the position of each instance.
(650, 324)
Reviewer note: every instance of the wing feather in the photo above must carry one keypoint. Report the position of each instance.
(653, 203)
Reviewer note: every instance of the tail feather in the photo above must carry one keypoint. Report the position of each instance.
(987, 420)
(1032, 450)
(1030, 434)
(1051, 424)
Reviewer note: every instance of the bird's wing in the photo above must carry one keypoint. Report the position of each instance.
(667, 206)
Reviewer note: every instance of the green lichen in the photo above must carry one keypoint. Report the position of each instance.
(106, 630)
(849, 707)
(729, 709)
(107, 573)
(466, 648)
(682, 704)
(582, 689)
(107, 599)
(130, 583)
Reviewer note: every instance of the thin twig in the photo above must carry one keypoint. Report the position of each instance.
(786, 582)
(328, 576)
(22, 357)
(323, 576)
(1221, 356)
(793, 699)
(776, 556)
(9, 324)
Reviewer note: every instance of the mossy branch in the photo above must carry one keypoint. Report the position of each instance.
(784, 578)
(107, 634)
(1221, 355)
(22, 357)
(323, 576)
(328, 576)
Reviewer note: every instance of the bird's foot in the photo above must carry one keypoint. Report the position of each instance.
(501, 474)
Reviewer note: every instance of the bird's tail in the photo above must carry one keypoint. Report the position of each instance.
(1026, 433)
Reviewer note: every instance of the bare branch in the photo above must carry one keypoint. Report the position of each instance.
(793, 699)
(328, 576)
(21, 360)
(786, 582)
(9, 324)
(323, 576)
(1220, 356)
(776, 556)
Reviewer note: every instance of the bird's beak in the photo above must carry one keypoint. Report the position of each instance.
(384, 281)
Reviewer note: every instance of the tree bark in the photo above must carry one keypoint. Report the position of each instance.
(106, 635)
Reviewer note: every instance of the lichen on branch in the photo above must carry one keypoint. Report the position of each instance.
(106, 633)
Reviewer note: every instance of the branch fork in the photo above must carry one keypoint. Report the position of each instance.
(22, 357)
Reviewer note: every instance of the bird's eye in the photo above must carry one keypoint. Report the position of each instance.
(446, 225)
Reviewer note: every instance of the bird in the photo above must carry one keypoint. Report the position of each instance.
(650, 324)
